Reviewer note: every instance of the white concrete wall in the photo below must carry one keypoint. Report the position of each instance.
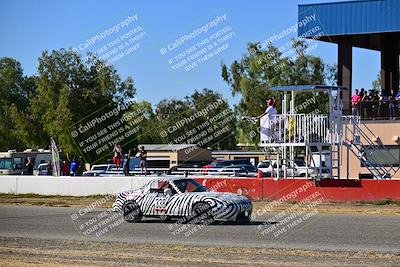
(69, 186)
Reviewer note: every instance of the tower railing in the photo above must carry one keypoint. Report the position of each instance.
(295, 129)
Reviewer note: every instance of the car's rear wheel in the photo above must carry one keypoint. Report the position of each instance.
(132, 212)
(201, 214)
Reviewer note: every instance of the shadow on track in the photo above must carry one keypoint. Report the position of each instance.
(218, 223)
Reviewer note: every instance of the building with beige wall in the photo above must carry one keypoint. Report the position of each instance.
(383, 134)
(168, 156)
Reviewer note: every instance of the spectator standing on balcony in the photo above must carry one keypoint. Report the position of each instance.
(117, 155)
(266, 122)
(81, 167)
(49, 168)
(397, 104)
(363, 96)
(73, 167)
(127, 161)
(368, 104)
(382, 98)
(64, 168)
(397, 97)
(394, 104)
(383, 106)
(374, 103)
(29, 166)
(355, 103)
(143, 160)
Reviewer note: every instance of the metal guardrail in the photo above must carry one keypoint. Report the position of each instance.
(181, 171)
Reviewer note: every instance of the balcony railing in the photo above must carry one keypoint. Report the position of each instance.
(295, 129)
(376, 110)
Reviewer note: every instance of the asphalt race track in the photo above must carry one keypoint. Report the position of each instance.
(321, 231)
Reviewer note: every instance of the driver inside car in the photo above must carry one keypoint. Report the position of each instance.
(168, 192)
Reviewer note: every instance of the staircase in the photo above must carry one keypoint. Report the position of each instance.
(368, 147)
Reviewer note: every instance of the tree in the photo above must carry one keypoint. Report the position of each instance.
(217, 115)
(147, 123)
(376, 84)
(203, 118)
(66, 90)
(258, 70)
(15, 89)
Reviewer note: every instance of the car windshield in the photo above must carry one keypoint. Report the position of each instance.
(217, 164)
(300, 163)
(146, 186)
(250, 168)
(263, 165)
(189, 185)
(42, 167)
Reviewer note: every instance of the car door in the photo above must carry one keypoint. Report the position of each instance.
(160, 204)
(149, 199)
(162, 199)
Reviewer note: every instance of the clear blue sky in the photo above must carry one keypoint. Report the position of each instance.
(29, 27)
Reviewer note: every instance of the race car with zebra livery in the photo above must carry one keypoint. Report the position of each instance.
(184, 198)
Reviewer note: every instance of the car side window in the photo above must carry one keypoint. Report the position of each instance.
(159, 185)
(153, 185)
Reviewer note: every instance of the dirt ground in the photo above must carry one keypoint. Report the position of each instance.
(377, 208)
(34, 252)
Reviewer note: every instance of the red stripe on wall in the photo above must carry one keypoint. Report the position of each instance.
(300, 189)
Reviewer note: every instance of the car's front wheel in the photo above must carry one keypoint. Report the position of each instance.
(132, 212)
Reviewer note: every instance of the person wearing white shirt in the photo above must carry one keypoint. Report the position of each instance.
(266, 119)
